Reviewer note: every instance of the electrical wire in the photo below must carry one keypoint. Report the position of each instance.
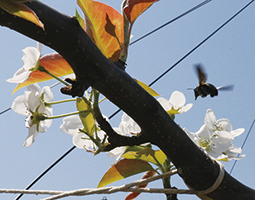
(171, 21)
(233, 166)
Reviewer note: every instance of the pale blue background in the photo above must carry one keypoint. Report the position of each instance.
(229, 58)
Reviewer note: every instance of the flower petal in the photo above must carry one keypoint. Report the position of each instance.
(20, 76)
(32, 134)
(191, 135)
(225, 124)
(203, 132)
(177, 99)
(34, 88)
(165, 103)
(116, 153)
(30, 58)
(71, 125)
(80, 140)
(128, 126)
(48, 95)
(237, 132)
(185, 108)
(210, 119)
(19, 106)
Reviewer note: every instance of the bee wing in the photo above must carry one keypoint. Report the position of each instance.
(201, 74)
(226, 87)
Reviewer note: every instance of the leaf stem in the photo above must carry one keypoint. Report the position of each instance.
(42, 69)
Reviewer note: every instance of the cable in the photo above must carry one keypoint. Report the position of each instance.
(45, 171)
(4, 111)
(169, 22)
(191, 51)
(243, 144)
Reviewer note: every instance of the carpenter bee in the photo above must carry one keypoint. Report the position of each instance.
(204, 89)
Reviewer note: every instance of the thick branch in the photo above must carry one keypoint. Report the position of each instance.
(64, 35)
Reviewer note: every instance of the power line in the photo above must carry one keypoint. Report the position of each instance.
(207, 38)
(45, 171)
(153, 82)
(233, 166)
(169, 22)
(4, 111)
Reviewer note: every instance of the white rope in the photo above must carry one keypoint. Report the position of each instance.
(123, 188)
(18, 191)
(216, 184)
(83, 192)
(106, 190)
(217, 181)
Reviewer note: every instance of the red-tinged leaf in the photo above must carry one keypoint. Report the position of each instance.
(123, 169)
(16, 7)
(54, 63)
(87, 118)
(133, 195)
(134, 8)
(95, 21)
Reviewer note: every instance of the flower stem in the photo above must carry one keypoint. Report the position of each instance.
(57, 102)
(68, 114)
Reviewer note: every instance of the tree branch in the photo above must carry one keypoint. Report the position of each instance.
(65, 35)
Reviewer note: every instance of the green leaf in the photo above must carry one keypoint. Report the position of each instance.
(123, 169)
(147, 155)
(80, 19)
(147, 88)
(87, 118)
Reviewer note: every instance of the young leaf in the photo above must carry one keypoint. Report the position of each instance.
(133, 195)
(16, 7)
(95, 21)
(80, 20)
(147, 155)
(123, 169)
(87, 118)
(53, 63)
(147, 88)
(134, 8)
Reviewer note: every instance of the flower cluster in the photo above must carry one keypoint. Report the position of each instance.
(215, 138)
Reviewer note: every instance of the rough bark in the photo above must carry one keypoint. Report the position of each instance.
(64, 35)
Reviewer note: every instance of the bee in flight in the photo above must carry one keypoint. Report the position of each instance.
(204, 89)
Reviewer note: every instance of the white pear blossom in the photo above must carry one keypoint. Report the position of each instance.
(32, 105)
(128, 126)
(176, 103)
(30, 60)
(71, 126)
(215, 138)
(116, 153)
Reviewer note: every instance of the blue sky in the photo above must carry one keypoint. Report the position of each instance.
(228, 58)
